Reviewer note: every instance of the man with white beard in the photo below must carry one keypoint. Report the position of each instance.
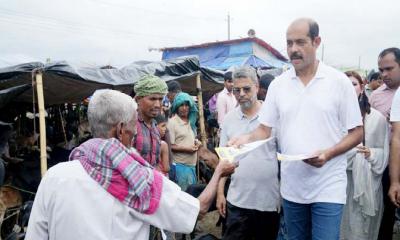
(251, 207)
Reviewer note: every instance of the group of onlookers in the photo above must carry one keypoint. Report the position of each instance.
(342, 190)
(343, 131)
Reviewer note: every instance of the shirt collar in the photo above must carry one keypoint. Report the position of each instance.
(180, 121)
(140, 119)
(226, 91)
(321, 73)
(242, 116)
(386, 88)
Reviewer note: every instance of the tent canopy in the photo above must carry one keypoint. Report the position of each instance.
(65, 83)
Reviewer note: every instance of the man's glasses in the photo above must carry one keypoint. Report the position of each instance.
(246, 90)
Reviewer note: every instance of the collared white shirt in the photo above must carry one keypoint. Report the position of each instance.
(70, 205)
(226, 102)
(395, 110)
(312, 118)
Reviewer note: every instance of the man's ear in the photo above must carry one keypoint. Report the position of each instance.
(137, 98)
(119, 130)
(317, 41)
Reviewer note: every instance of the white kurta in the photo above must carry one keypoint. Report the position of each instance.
(364, 208)
(71, 205)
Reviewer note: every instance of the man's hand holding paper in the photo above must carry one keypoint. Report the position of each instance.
(319, 158)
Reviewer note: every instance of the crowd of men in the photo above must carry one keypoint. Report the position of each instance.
(130, 179)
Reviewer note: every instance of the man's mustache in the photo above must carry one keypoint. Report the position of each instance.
(243, 98)
(295, 56)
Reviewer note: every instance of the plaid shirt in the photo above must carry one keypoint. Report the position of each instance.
(147, 141)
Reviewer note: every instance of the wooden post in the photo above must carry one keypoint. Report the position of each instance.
(42, 123)
(201, 111)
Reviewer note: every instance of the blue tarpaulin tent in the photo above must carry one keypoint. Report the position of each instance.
(222, 55)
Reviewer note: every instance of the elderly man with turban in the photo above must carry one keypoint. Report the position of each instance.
(107, 190)
(150, 91)
(182, 132)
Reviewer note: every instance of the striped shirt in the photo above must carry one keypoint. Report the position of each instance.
(147, 141)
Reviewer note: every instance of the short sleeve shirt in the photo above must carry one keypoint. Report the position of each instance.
(312, 118)
(254, 184)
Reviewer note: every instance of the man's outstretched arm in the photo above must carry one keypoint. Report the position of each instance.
(260, 133)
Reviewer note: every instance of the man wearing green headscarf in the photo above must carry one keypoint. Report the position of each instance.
(149, 93)
(184, 145)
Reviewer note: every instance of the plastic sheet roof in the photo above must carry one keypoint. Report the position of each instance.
(66, 83)
(225, 54)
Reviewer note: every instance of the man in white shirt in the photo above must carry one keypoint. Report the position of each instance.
(253, 200)
(317, 112)
(88, 198)
(381, 99)
(394, 191)
(390, 70)
(226, 101)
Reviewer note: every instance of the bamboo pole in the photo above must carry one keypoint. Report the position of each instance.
(201, 111)
(42, 123)
(63, 126)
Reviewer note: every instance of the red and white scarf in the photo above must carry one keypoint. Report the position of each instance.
(121, 172)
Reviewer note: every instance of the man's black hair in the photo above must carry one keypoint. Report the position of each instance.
(394, 50)
(374, 76)
(363, 101)
(161, 118)
(313, 31)
(265, 80)
(227, 76)
(174, 86)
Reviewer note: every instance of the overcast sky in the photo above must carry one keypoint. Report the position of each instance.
(118, 32)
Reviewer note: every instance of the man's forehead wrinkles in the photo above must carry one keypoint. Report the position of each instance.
(296, 39)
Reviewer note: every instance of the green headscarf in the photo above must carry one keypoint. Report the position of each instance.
(150, 84)
(180, 99)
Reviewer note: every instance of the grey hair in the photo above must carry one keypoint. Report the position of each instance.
(245, 72)
(107, 108)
